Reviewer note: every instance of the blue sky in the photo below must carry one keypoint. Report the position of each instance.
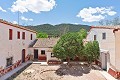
(34, 12)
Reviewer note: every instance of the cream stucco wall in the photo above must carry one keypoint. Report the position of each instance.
(117, 46)
(107, 44)
(13, 47)
(48, 52)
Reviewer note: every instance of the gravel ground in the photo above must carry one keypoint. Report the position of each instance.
(58, 72)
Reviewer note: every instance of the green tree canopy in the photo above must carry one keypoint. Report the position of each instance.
(42, 35)
(92, 51)
(69, 46)
(83, 33)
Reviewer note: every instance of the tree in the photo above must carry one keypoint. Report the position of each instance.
(101, 22)
(42, 35)
(115, 21)
(69, 46)
(96, 50)
(82, 33)
(92, 51)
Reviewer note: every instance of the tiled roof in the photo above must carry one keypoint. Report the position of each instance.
(106, 27)
(45, 42)
(15, 25)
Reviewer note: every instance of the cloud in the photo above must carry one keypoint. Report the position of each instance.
(1, 9)
(95, 14)
(35, 6)
(26, 19)
(15, 22)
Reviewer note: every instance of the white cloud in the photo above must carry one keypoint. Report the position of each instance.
(35, 6)
(95, 14)
(15, 22)
(26, 19)
(1, 9)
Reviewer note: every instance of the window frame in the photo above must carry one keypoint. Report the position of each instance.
(10, 34)
(104, 36)
(95, 37)
(42, 52)
(52, 55)
(23, 35)
(9, 61)
(18, 34)
(31, 37)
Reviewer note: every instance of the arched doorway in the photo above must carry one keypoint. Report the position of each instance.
(23, 55)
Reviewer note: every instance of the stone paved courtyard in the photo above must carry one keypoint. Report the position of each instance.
(59, 72)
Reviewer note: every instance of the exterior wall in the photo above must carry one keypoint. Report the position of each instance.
(13, 48)
(117, 46)
(102, 59)
(47, 53)
(107, 44)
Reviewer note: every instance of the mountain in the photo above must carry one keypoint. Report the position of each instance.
(58, 29)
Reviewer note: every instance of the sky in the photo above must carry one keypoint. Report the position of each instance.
(35, 12)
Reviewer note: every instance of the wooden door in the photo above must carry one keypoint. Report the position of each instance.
(35, 53)
(23, 55)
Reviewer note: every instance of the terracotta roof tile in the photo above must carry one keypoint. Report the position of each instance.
(15, 25)
(45, 42)
(107, 27)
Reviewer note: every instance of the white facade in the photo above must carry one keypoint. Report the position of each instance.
(13, 48)
(48, 52)
(105, 44)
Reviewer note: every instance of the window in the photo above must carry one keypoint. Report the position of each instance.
(103, 35)
(31, 36)
(10, 34)
(23, 35)
(9, 61)
(52, 55)
(42, 52)
(18, 35)
(95, 37)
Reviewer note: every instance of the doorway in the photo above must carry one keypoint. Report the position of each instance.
(35, 53)
(23, 55)
(105, 61)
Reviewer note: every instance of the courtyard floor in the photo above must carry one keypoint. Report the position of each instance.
(57, 72)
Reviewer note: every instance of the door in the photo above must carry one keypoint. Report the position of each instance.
(35, 53)
(23, 55)
(105, 61)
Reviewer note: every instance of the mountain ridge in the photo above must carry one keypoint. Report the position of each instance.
(58, 29)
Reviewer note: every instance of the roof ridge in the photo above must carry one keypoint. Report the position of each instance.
(16, 25)
(107, 27)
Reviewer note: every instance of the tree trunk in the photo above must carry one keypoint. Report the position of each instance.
(69, 65)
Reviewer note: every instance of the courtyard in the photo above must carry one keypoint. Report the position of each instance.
(57, 72)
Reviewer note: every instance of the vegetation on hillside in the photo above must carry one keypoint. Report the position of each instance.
(58, 30)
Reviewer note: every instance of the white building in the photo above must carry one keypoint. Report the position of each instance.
(42, 50)
(109, 42)
(14, 43)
